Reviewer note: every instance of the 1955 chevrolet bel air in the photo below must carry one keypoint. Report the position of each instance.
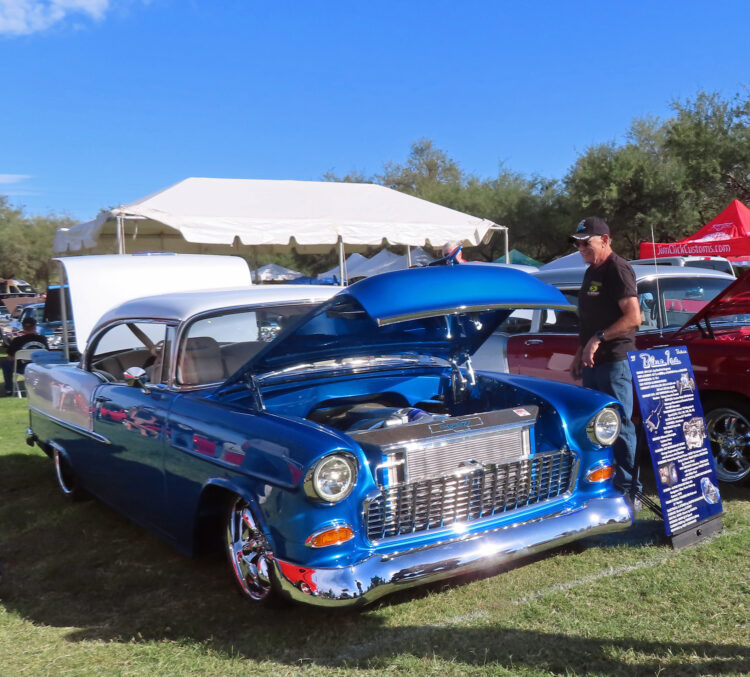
(341, 446)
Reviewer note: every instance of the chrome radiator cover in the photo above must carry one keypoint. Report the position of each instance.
(460, 469)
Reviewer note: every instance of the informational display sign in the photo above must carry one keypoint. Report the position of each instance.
(677, 438)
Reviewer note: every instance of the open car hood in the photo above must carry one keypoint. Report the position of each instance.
(734, 300)
(443, 312)
(98, 283)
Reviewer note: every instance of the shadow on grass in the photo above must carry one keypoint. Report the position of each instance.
(82, 566)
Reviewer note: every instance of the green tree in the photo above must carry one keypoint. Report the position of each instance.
(26, 244)
(426, 169)
(14, 253)
(634, 187)
(710, 136)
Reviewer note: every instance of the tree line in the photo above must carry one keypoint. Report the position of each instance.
(672, 176)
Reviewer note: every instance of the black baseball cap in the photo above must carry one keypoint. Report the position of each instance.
(590, 226)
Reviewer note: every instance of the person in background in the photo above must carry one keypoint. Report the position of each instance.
(29, 336)
(609, 315)
(452, 254)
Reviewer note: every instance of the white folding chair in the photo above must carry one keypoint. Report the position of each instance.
(22, 356)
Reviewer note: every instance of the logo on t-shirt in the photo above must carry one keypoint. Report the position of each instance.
(595, 288)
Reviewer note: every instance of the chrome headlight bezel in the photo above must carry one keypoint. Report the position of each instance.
(320, 473)
(604, 428)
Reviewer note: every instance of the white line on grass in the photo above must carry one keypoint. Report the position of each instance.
(356, 652)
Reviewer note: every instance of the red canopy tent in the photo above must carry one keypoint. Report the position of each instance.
(727, 235)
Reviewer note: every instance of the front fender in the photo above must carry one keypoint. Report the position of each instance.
(575, 405)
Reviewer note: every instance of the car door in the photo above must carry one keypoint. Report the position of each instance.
(130, 417)
(547, 352)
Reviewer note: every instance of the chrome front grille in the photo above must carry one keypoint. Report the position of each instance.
(436, 458)
(459, 497)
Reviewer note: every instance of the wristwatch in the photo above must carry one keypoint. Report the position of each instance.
(600, 335)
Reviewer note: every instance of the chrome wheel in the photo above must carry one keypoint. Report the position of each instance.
(729, 431)
(248, 552)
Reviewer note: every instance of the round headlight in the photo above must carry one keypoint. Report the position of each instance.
(604, 427)
(332, 478)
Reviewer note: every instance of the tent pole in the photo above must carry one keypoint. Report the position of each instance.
(120, 235)
(507, 252)
(64, 312)
(408, 256)
(342, 263)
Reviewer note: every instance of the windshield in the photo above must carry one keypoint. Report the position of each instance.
(216, 346)
(681, 298)
(36, 313)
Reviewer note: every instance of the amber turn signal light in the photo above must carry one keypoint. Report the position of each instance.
(332, 536)
(600, 474)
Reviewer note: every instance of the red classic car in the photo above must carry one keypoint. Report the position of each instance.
(707, 311)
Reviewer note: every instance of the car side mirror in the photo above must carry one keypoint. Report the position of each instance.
(136, 377)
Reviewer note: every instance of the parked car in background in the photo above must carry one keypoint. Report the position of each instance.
(48, 325)
(11, 327)
(15, 327)
(705, 310)
(11, 288)
(709, 262)
(342, 446)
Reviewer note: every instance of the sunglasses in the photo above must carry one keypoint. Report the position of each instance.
(582, 243)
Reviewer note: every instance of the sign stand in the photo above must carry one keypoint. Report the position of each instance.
(689, 500)
(696, 533)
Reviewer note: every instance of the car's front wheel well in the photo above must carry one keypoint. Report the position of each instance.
(713, 398)
(208, 537)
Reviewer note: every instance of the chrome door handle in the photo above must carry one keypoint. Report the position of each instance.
(533, 342)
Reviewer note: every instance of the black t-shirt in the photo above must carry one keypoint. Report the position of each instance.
(598, 306)
(20, 342)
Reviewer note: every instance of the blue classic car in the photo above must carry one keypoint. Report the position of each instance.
(342, 447)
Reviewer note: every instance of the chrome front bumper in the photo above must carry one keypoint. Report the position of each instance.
(380, 575)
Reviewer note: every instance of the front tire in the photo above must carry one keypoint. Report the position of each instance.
(248, 553)
(728, 428)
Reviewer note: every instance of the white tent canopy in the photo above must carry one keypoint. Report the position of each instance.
(201, 214)
(573, 260)
(273, 272)
(353, 262)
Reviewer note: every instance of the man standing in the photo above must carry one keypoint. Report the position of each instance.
(609, 315)
(29, 336)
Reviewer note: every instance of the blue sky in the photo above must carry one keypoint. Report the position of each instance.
(106, 101)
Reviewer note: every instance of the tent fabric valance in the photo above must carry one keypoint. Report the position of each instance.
(312, 216)
(727, 235)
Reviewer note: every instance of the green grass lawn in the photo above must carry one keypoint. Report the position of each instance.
(83, 592)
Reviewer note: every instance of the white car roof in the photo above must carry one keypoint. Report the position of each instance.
(561, 277)
(182, 305)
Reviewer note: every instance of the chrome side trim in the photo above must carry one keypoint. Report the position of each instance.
(468, 309)
(379, 575)
(71, 426)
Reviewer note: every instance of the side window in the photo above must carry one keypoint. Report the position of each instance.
(132, 344)
(559, 322)
(649, 310)
(518, 322)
